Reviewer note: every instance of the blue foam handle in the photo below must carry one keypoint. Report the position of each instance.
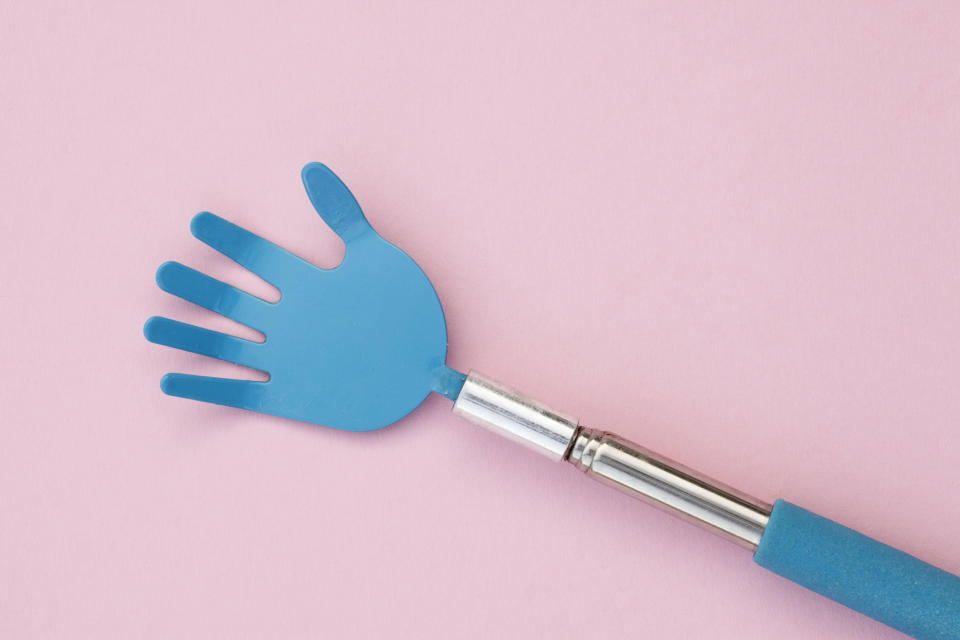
(868, 576)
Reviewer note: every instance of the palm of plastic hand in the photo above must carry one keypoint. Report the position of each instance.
(355, 347)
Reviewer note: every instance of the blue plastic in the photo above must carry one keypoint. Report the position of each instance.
(356, 347)
(861, 573)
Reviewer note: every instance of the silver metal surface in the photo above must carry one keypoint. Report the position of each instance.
(615, 461)
(514, 415)
(664, 483)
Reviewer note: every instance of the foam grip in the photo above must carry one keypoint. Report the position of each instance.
(868, 576)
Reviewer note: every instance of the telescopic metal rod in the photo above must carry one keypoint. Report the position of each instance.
(615, 461)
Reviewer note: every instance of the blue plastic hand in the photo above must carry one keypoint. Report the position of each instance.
(356, 347)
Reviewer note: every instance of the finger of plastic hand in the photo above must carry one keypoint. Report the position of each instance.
(210, 293)
(334, 202)
(188, 337)
(272, 263)
(243, 394)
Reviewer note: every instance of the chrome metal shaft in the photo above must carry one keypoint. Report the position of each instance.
(615, 461)
(671, 486)
(515, 416)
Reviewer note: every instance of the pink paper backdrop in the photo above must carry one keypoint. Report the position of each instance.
(730, 232)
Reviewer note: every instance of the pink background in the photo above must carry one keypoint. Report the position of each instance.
(730, 232)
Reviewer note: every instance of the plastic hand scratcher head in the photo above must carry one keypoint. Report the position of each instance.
(356, 347)
(359, 346)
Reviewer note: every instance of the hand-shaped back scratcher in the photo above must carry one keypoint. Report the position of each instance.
(360, 346)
